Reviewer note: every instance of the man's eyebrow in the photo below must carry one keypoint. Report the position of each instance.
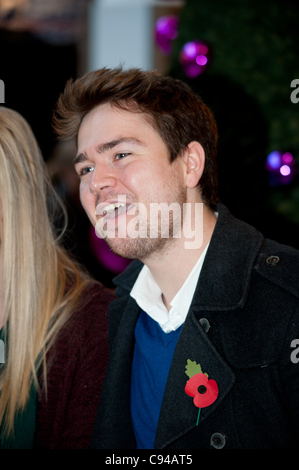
(109, 145)
(81, 157)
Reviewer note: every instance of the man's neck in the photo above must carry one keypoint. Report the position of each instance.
(171, 268)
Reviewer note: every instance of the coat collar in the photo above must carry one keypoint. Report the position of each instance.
(231, 255)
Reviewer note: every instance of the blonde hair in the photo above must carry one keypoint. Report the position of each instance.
(41, 284)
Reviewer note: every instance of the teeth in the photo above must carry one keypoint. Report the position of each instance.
(112, 207)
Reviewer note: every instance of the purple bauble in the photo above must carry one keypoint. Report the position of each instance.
(195, 57)
(166, 31)
(281, 167)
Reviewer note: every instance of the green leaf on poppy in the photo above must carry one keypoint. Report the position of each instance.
(192, 368)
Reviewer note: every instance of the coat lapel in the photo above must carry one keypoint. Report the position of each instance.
(178, 413)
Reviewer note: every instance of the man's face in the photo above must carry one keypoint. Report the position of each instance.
(122, 158)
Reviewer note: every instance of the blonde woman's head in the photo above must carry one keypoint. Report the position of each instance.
(35, 269)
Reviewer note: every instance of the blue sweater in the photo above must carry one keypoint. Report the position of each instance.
(153, 354)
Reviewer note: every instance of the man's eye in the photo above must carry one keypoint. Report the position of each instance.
(119, 156)
(86, 170)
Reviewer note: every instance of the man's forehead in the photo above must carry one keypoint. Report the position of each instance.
(127, 112)
(106, 122)
(97, 110)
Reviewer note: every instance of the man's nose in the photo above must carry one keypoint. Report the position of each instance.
(102, 178)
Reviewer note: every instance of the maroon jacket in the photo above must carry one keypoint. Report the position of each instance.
(79, 358)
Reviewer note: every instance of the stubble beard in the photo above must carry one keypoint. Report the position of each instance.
(142, 248)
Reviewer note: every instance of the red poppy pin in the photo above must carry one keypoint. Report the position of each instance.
(203, 390)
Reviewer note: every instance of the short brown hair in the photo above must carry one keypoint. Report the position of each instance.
(172, 108)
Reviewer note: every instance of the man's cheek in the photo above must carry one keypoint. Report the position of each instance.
(88, 203)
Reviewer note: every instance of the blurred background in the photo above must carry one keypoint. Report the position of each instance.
(241, 57)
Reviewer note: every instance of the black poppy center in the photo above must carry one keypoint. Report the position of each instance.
(202, 389)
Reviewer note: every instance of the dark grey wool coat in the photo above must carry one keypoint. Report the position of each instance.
(242, 320)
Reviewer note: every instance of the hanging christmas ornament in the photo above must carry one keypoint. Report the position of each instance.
(195, 57)
(281, 168)
(166, 31)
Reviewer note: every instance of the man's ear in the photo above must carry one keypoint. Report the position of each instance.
(194, 157)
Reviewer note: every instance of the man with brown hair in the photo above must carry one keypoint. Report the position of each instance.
(200, 334)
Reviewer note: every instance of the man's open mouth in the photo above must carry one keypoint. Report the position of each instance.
(113, 210)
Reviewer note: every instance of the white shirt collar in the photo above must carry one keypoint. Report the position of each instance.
(148, 296)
